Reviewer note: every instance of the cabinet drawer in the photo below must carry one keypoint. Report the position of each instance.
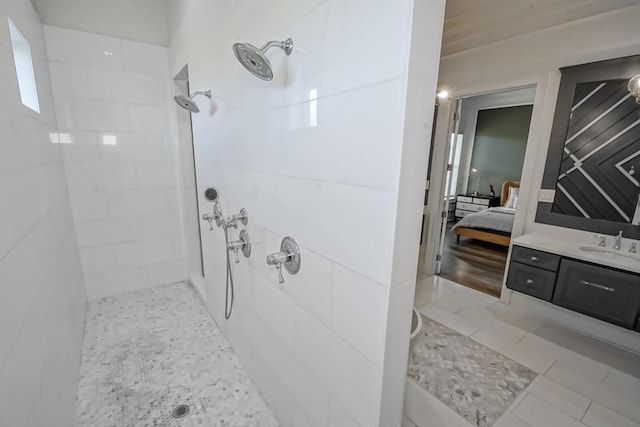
(461, 214)
(609, 295)
(535, 258)
(532, 281)
(465, 199)
(470, 207)
(484, 202)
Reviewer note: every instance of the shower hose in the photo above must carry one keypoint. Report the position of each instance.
(228, 303)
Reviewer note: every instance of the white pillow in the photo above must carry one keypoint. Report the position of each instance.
(512, 200)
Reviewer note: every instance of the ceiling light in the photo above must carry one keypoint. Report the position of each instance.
(443, 95)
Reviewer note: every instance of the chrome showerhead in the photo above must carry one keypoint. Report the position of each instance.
(255, 60)
(187, 103)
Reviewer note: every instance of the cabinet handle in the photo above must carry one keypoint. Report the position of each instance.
(534, 258)
(597, 286)
(529, 281)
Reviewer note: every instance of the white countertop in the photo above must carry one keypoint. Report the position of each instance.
(571, 248)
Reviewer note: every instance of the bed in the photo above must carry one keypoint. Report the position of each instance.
(492, 225)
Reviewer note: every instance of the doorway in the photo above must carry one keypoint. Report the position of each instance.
(484, 157)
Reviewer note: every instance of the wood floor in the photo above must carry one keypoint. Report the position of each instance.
(473, 263)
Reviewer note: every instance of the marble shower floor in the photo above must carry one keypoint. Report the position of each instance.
(476, 382)
(146, 352)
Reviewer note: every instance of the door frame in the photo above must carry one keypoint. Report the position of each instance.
(435, 202)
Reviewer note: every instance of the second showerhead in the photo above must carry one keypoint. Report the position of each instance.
(187, 103)
(255, 60)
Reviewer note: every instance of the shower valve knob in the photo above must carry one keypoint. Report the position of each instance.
(280, 277)
(289, 256)
(209, 217)
(277, 259)
(244, 244)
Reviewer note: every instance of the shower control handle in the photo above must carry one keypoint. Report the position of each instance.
(289, 256)
(243, 244)
(209, 217)
(280, 277)
(232, 221)
(277, 259)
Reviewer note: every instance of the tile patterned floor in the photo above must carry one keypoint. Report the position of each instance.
(473, 380)
(149, 351)
(580, 382)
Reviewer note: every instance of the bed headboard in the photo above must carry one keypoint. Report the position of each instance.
(505, 190)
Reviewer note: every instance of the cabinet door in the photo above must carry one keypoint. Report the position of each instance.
(609, 295)
(531, 280)
(535, 258)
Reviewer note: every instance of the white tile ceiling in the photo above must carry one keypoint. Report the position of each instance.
(472, 23)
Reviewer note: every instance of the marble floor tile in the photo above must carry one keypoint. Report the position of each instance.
(448, 319)
(626, 383)
(508, 420)
(565, 399)
(425, 410)
(147, 352)
(598, 391)
(600, 416)
(538, 413)
(473, 380)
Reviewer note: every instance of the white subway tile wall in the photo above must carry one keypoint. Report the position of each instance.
(316, 154)
(122, 164)
(42, 295)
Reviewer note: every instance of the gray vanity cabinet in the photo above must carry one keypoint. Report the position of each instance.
(603, 293)
(533, 272)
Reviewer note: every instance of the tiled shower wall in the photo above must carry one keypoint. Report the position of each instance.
(121, 159)
(316, 154)
(42, 295)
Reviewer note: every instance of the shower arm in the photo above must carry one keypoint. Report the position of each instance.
(206, 93)
(286, 45)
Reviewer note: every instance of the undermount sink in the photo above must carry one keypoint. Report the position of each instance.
(609, 253)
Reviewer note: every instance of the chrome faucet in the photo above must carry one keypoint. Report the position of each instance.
(602, 240)
(617, 241)
(632, 249)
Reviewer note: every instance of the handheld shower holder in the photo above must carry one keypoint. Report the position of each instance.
(232, 221)
(289, 256)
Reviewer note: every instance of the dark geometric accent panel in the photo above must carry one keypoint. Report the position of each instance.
(599, 175)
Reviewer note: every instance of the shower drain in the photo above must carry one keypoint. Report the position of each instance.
(180, 411)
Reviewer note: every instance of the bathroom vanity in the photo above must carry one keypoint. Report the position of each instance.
(596, 281)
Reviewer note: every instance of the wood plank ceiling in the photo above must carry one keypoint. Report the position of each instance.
(472, 23)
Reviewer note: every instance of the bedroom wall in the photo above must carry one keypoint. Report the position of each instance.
(468, 123)
(499, 145)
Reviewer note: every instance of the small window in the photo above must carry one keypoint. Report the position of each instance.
(24, 68)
